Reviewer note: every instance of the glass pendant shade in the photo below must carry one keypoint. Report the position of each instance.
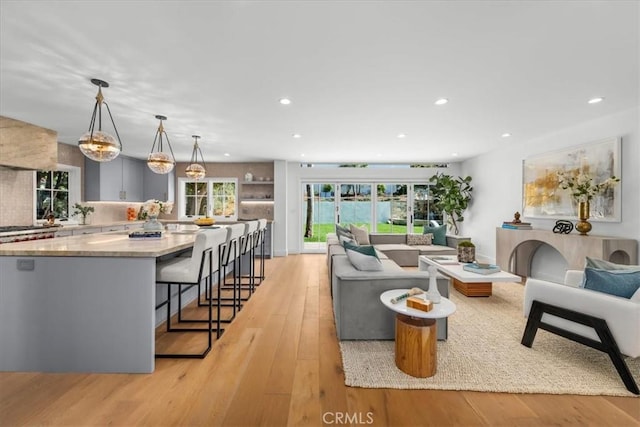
(159, 161)
(96, 144)
(99, 146)
(196, 170)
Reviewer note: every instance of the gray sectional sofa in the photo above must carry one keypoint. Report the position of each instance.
(395, 247)
(357, 309)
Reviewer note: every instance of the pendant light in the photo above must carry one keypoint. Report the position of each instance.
(196, 170)
(159, 161)
(96, 144)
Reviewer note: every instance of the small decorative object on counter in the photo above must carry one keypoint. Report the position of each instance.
(146, 234)
(150, 211)
(563, 227)
(516, 218)
(83, 211)
(132, 215)
(466, 251)
(248, 176)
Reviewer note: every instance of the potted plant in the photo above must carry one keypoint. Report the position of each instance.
(83, 211)
(451, 196)
(466, 251)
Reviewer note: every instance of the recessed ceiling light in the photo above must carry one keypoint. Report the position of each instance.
(441, 101)
(302, 155)
(454, 154)
(285, 101)
(506, 135)
(402, 135)
(227, 154)
(296, 135)
(595, 100)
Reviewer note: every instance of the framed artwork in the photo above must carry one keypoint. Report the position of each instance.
(542, 196)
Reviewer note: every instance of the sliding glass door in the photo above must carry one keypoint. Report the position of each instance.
(318, 214)
(391, 208)
(355, 205)
(423, 212)
(383, 207)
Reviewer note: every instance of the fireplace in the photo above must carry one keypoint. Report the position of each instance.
(515, 249)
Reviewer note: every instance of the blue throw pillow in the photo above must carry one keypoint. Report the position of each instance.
(439, 234)
(622, 283)
(363, 258)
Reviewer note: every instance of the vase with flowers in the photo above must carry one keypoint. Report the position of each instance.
(583, 189)
(150, 211)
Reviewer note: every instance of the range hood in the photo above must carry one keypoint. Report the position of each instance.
(27, 146)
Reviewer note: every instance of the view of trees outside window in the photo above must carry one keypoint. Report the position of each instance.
(196, 200)
(223, 199)
(52, 194)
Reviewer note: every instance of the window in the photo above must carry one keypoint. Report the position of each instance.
(52, 194)
(214, 197)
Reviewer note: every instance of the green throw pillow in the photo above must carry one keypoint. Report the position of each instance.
(439, 234)
(343, 232)
(622, 283)
(363, 258)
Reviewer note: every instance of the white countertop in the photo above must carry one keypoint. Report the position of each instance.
(111, 244)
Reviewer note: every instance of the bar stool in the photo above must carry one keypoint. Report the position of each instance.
(180, 271)
(260, 242)
(248, 240)
(230, 255)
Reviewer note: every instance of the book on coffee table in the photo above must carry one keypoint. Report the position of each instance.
(445, 260)
(481, 268)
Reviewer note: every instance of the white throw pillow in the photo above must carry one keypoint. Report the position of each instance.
(363, 258)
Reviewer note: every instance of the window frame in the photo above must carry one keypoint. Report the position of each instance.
(210, 181)
(73, 193)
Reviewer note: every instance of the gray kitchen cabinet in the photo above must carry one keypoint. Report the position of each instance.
(159, 187)
(119, 179)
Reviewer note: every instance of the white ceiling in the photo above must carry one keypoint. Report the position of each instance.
(358, 73)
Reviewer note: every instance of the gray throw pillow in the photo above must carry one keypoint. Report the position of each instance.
(608, 265)
(361, 234)
(363, 258)
(622, 283)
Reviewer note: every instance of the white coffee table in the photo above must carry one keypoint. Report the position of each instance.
(466, 282)
(416, 335)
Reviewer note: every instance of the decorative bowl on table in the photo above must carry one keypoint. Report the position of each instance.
(204, 222)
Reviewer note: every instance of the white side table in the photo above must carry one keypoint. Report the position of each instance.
(416, 349)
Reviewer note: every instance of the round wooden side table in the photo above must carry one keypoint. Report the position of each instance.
(416, 335)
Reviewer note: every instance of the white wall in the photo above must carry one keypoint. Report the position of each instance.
(497, 180)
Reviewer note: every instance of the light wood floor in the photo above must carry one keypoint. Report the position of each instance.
(278, 364)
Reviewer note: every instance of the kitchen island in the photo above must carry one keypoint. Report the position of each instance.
(81, 303)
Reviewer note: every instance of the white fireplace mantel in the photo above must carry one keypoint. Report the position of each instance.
(516, 248)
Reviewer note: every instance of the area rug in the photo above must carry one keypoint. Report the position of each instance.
(483, 353)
